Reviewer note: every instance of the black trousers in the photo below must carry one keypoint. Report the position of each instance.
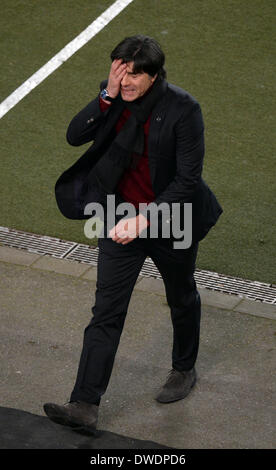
(118, 269)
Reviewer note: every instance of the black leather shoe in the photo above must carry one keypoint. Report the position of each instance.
(79, 415)
(177, 386)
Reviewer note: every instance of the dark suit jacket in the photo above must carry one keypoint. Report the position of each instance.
(175, 152)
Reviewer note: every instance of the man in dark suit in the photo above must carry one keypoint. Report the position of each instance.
(148, 148)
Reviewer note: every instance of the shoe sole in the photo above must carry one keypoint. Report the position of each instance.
(179, 397)
(65, 421)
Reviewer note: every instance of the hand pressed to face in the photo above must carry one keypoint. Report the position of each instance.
(117, 72)
(122, 78)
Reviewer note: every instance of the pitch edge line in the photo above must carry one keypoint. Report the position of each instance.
(64, 54)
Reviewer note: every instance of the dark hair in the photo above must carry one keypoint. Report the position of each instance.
(144, 51)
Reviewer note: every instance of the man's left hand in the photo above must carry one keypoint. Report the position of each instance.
(127, 230)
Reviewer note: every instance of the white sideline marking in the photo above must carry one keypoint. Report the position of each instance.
(63, 55)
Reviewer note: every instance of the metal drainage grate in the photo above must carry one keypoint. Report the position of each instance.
(44, 245)
(35, 243)
(254, 290)
(227, 284)
(84, 254)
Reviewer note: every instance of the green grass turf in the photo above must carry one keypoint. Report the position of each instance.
(221, 52)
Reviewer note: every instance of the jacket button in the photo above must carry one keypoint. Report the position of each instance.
(158, 118)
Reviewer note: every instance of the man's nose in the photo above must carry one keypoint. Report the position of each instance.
(125, 80)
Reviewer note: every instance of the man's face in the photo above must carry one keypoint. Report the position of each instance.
(134, 86)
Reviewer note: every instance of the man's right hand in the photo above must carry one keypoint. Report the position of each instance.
(116, 74)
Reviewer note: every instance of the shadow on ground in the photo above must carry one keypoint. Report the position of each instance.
(23, 430)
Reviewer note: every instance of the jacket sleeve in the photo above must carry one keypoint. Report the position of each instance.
(189, 135)
(85, 124)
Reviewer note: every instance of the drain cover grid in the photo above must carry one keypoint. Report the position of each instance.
(89, 254)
